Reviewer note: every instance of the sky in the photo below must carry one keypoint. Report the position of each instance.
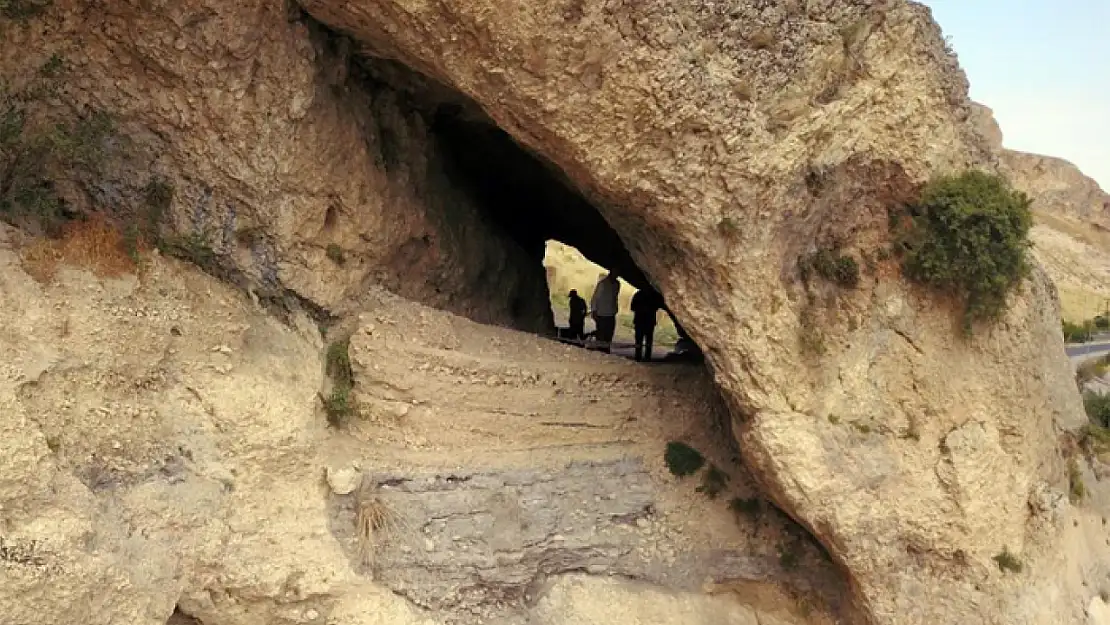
(1043, 66)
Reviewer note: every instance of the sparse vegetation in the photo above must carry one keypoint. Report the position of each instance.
(1089, 370)
(92, 243)
(834, 419)
(713, 482)
(1095, 438)
(682, 460)
(335, 254)
(729, 227)
(338, 404)
(1097, 407)
(968, 236)
(810, 337)
(23, 10)
(39, 149)
(862, 428)
(1077, 490)
(789, 556)
(750, 506)
(830, 264)
(1007, 561)
(195, 247)
(1077, 333)
(376, 521)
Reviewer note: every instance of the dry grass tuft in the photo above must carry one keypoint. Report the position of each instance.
(376, 521)
(95, 245)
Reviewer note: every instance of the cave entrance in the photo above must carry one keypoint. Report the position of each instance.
(540, 210)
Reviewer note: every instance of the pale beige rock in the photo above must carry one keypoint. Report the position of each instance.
(721, 141)
(844, 108)
(343, 480)
(581, 600)
(140, 485)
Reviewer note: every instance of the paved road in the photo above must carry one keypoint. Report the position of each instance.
(1087, 349)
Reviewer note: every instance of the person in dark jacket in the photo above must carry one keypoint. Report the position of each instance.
(645, 307)
(577, 316)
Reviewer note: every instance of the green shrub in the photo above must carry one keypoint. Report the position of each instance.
(334, 254)
(195, 247)
(33, 152)
(1077, 490)
(713, 482)
(830, 264)
(1007, 561)
(1076, 333)
(968, 236)
(682, 459)
(1095, 438)
(337, 365)
(1097, 407)
(23, 10)
(1102, 322)
(749, 507)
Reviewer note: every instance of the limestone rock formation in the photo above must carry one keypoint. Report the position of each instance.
(708, 146)
(1056, 186)
(165, 458)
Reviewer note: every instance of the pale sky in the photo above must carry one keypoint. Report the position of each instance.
(1044, 67)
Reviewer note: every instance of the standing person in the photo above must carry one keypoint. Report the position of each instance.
(603, 308)
(577, 316)
(645, 307)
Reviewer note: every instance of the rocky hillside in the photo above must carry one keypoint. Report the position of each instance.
(1072, 236)
(168, 435)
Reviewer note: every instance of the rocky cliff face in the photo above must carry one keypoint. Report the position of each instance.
(1056, 186)
(1072, 236)
(713, 145)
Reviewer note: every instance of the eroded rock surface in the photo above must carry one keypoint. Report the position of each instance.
(300, 178)
(166, 458)
(722, 142)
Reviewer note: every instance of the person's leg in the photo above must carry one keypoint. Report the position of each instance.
(639, 343)
(649, 338)
(606, 334)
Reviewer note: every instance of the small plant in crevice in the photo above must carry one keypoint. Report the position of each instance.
(377, 521)
(1008, 562)
(23, 10)
(1095, 439)
(682, 460)
(714, 481)
(338, 404)
(1077, 490)
(831, 265)
(790, 555)
(335, 254)
(195, 247)
(728, 227)
(811, 338)
(750, 507)
(834, 419)
(968, 235)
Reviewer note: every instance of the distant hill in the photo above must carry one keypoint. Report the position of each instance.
(1071, 238)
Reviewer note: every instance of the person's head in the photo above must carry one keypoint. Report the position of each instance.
(573, 293)
(611, 276)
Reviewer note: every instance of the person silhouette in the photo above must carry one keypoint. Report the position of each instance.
(645, 308)
(577, 321)
(603, 308)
